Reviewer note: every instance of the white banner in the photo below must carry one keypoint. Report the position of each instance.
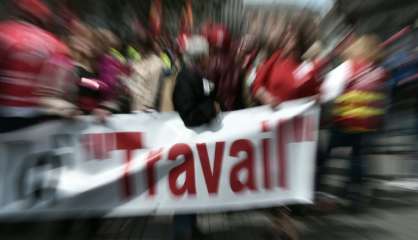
(150, 163)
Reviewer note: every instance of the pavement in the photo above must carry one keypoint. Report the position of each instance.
(394, 218)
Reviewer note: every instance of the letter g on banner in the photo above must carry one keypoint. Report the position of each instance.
(38, 178)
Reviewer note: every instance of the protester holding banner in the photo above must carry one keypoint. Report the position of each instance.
(144, 82)
(249, 56)
(85, 55)
(277, 79)
(224, 68)
(357, 89)
(193, 99)
(98, 70)
(111, 66)
(193, 95)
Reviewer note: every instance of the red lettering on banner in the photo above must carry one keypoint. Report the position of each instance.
(310, 128)
(85, 143)
(303, 129)
(98, 145)
(265, 126)
(282, 140)
(298, 124)
(94, 145)
(186, 167)
(152, 159)
(109, 144)
(211, 176)
(298, 129)
(266, 163)
(246, 164)
(265, 143)
(129, 141)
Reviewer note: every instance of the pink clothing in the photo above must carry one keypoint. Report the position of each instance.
(33, 65)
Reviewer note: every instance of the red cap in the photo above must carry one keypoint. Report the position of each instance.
(35, 8)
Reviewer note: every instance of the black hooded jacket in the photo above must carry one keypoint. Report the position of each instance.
(190, 100)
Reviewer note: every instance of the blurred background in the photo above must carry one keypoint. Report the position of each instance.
(67, 58)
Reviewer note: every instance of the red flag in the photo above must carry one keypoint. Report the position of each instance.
(156, 17)
(187, 18)
(35, 8)
(186, 25)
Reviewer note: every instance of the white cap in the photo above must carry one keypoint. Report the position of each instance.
(196, 45)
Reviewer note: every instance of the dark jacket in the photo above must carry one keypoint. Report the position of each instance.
(190, 101)
(225, 72)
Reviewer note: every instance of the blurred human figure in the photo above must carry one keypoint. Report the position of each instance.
(85, 56)
(112, 67)
(250, 57)
(194, 96)
(224, 68)
(357, 89)
(36, 74)
(151, 68)
(165, 100)
(146, 73)
(277, 79)
(194, 100)
(309, 74)
(266, 42)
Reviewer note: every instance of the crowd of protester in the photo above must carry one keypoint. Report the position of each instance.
(87, 70)
(92, 70)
